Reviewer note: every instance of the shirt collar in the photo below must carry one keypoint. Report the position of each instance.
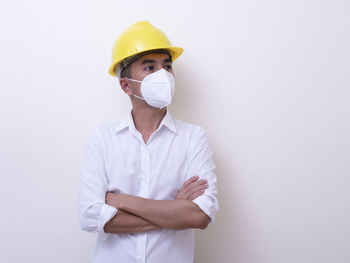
(128, 122)
(124, 123)
(169, 122)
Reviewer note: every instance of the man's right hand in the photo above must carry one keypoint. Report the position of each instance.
(192, 188)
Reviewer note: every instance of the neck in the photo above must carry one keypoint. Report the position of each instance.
(147, 120)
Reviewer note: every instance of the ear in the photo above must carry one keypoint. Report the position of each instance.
(125, 85)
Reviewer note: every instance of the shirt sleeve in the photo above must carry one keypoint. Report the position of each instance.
(200, 163)
(94, 213)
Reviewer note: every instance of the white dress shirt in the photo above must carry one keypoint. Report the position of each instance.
(117, 160)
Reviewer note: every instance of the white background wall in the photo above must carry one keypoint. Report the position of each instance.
(268, 79)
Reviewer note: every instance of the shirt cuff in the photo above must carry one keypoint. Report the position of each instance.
(206, 206)
(107, 213)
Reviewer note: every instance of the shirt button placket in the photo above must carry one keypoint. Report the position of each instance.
(145, 171)
(143, 192)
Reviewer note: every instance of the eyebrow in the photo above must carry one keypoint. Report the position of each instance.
(151, 61)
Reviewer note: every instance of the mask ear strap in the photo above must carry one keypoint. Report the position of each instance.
(134, 80)
(134, 94)
(138, 97)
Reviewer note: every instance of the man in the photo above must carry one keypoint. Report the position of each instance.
(147, 181)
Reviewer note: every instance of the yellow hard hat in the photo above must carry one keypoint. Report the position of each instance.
(138, 38)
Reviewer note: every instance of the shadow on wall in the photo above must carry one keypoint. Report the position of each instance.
(230, 238)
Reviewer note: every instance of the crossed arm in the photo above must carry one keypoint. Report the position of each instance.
(136, 214)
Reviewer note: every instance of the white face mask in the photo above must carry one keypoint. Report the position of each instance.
(157, 88)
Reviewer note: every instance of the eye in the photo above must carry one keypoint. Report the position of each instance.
(168, 67)
(149, 68)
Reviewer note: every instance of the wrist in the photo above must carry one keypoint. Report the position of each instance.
(114, 200)
(119, 201)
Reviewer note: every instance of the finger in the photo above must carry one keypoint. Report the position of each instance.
(197, 183)
(191, 180)
(195, 195)
(108, 198)
(188, 190)
(197, 189)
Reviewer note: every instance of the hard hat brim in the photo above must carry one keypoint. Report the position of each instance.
(175, 53)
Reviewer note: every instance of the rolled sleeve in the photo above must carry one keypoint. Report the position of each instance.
(200, 163)
(208, 205)
(107, 213)
(94, 213)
